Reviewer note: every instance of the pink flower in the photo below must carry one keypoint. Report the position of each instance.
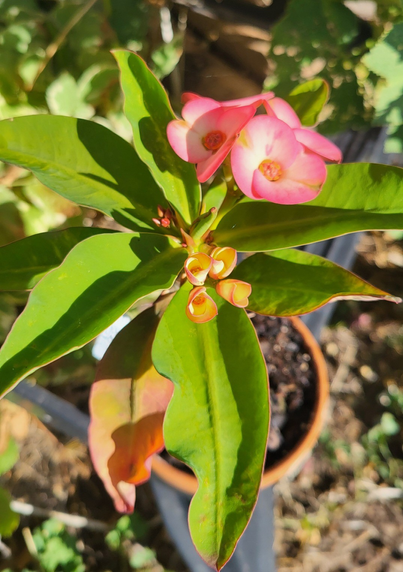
(311, 140)
(251, 100)
(269, 163)
(207, 133)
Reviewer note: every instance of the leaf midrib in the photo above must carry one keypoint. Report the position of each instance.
(209, 343)
(73, 325)
(124, 286)
(290, 225)
(312, 291)
(94, 183)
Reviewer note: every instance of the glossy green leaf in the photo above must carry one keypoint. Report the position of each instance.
(308, 100)
(355, 197)
(86, 163)
(293, 282)
(97, 282)
(149, 111)
(217, 420)
(9, 520)
(127, 403)
(24, 262)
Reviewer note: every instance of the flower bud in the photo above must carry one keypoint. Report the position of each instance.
(235, 292)
(224, 261)
(197, 267)
(201, 307)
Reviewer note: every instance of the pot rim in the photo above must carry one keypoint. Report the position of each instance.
(188, 483)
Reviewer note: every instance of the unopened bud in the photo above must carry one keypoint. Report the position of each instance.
(235, 292)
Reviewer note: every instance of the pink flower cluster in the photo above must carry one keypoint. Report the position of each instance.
(272, 156)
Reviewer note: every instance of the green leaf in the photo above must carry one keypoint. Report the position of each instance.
(9, 520)
(24, 262)
(9, 456)
(389, 424)
(314, 38)
(293, 282)
(86, 163)
(63, 97)
(127, 403)
(98, 282)
(166, 57)
(149, 111)
(308, 100)
(129, 19)
(218, 418)
(385, 59)
(355, 197)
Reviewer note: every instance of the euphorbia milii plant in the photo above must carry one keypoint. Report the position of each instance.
(187, 372)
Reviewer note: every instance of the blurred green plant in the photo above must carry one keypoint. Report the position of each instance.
(9, 454)
(54, 549)
(377, 446)
(330, 39)
(321, 38)
(385, 60)
(55, 57)
(124, 540)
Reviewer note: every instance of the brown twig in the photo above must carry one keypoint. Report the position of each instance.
(55, 45)
(72, 520)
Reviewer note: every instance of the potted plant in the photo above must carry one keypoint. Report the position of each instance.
(177, 260)
(280, 460)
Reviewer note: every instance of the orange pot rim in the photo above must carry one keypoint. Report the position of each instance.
(188, 483)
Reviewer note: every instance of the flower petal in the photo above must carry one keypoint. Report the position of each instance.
(244, 162)
(236, 292)
(189, 96)
(207, 168)
(255, 100)
(272, 139)
(319, 145)
(227, 256)
(263, 138)
(283, 110)
(230, 121)
(197, 107)
(197, 267)
(301, 183)
(186, 142)
(234, 119)
(204, 310)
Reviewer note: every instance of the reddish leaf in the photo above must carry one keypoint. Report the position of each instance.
(128, 401)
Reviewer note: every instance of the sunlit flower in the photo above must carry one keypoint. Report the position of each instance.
(269, 163)
(235, 292)
(201, 307)
(311, 140)
(224, 261)
(255, 100)
(197, 267)
(207, 133)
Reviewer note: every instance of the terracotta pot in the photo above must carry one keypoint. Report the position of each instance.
(295, 458)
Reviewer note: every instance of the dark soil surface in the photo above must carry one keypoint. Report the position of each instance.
(292, 380)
